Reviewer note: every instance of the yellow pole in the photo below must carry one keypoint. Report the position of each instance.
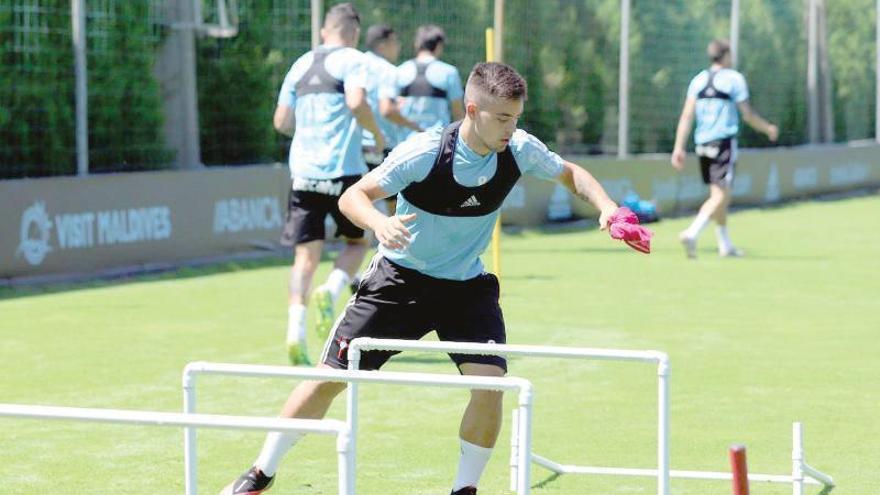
(496, 232)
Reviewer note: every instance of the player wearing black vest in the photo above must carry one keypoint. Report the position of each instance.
(397, 300)
(717, 98)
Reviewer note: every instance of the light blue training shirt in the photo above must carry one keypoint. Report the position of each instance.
(381, 84)
(327, 140)
(425, 111)
(717, 118)
(450, 247)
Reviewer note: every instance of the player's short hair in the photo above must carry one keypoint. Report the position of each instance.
(717, 49)
(344, 19)
(378, 34)
(429, 37)
(497, 80)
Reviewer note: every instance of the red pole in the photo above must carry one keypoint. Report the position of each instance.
(738, 467)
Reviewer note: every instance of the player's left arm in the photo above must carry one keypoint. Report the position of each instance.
(583, 185)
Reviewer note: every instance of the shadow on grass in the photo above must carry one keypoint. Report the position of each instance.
(141, 274)
(546, 481)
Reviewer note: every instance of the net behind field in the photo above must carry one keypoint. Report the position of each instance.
(568, 51)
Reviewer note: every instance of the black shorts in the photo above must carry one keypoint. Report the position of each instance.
(718, 161)
(309, 203)
(374, 159)
(393, 302)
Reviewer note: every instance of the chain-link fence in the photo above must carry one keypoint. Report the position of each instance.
(37, 111)
(567, 49)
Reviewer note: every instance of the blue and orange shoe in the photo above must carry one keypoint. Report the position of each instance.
(325, 306)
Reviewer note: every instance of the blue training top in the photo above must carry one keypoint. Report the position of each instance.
(327, 140)
(450, 247)
(718, 117)
(428, 111)
(382, 84)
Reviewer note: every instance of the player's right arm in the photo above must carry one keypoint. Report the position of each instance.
(356, 100)
(284, 120)
(357, 203)
(389, 110)
(685, 124)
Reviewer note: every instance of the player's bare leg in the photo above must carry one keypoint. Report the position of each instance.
(306, 258)
(325, 296)
(479, 429)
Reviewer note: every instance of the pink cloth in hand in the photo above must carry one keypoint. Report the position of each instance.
(624, 225)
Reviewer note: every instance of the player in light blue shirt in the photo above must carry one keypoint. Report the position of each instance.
(324, 99)
(383, 51)
(430, 89)
(716, 97)
(450, 184)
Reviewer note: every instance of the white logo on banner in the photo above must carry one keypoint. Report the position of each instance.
(35, 221)
(806, 178)
(240, 214)
(772, 193)
(850, 173)
(89, 228)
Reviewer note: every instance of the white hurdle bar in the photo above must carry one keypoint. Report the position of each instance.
(189, 420)
(358, 345)
(353, 378)
(802, 473)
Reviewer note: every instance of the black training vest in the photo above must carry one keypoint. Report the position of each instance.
(710, 91)
(317, 79)
(440, 194)
(421, 86)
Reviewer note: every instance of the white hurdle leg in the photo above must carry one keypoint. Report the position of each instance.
(345, 462)
(524, 448)
(663, 370)
(190, 459)
(797, 459)
(514, 448)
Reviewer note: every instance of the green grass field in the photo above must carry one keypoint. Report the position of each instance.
(788, 333)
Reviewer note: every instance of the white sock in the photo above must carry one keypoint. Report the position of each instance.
(296, 323)
(697, 226)
(336, 281)
(276, 445)
(724, 244)
(470, 465)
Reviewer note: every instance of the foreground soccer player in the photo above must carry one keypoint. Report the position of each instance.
(715, 95)
(428, 275)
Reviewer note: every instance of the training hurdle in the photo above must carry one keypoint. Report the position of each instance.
(353, 378)
(802, 473)
(189, 421)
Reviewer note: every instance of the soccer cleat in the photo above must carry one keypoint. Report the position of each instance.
(298, 353)
(731, 253)
(468, 490)
(323, 302)
(252, 482)
(689, 244)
